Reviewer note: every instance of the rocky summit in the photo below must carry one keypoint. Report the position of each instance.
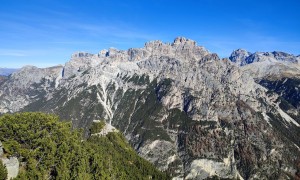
(180, 106)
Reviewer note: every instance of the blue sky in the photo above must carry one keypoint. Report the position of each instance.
(46, 32)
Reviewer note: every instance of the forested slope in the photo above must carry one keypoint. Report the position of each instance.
(49, 149)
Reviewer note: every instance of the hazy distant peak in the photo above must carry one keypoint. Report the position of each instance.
(239, 56)
(81, 54)
(242, 57)
(7, 71)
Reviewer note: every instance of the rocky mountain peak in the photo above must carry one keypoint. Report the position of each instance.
(239, 56)
(182, 49)
(183, 41)
(28, 67)
(274, 65)
(153, 44)
(282, 56)
(103, 53)
(32, 74)
(242, 57)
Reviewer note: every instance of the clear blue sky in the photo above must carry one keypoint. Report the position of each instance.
(47, 32)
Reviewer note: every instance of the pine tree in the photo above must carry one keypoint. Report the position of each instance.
(3, 171)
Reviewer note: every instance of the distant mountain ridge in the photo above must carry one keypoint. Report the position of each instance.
(277, 71)
(180, 106)
(7, 71)
(243, 57)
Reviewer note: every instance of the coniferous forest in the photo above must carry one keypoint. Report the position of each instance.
(48, 148)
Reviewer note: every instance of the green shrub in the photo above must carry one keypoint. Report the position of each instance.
(3, 171)
(97, 127)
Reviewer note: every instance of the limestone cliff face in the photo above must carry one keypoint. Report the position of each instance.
(181, 107)
(279, 72)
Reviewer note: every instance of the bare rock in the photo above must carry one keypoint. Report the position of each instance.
(12, 166)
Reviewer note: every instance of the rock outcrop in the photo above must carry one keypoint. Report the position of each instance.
(11, 164)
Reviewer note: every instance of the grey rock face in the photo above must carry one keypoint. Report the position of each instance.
(243, 57)
(270, 65)
(27, 85)
(239, 57)
(12, 166)
(282, 56)
(180, 106)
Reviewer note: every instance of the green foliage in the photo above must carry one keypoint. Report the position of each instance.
(97, 127)
(287, 88)
(147, 110)
(142, 107)
(139, 80)
(48, 149)
(3, 171)
(291, 133)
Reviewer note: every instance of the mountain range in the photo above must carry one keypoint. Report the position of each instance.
(181, 107)
(7, 71)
